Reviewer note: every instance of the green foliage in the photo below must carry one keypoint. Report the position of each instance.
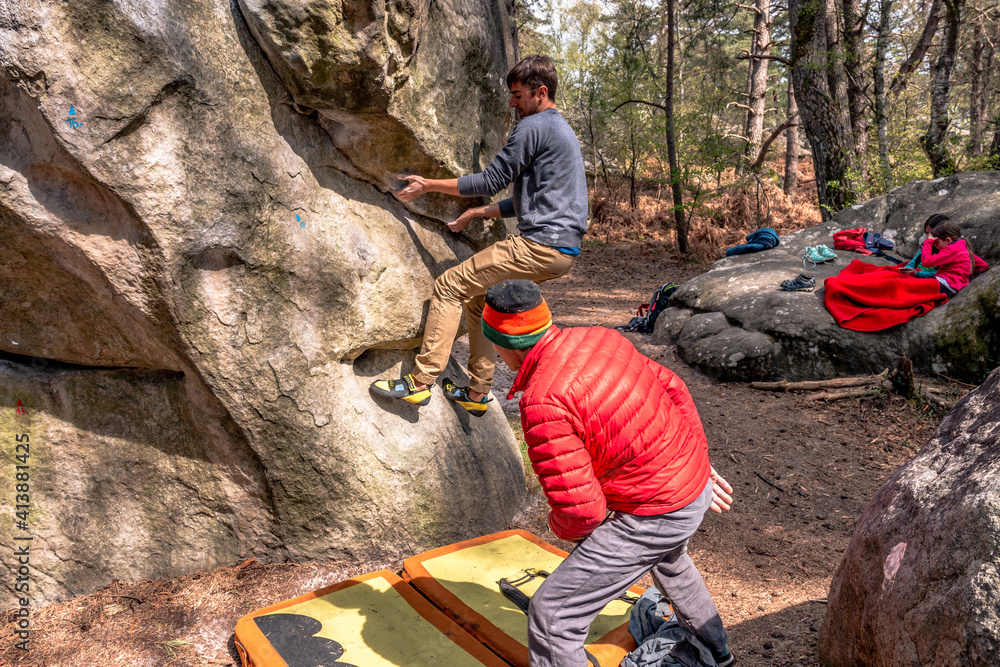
(612, 51)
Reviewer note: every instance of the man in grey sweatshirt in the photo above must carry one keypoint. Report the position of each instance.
(542, 159)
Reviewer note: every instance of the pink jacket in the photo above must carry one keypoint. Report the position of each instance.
(953, 262)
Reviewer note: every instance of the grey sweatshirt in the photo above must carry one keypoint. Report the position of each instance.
(543, 160)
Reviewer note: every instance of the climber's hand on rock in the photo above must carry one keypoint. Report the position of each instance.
(462, 221)
(721, 490)
(416, 186)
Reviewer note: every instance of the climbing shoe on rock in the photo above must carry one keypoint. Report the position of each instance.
(460, 395)
(405, 389)
(801, 283)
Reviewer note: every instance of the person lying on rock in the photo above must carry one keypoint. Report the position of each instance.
(949, 255)
(542, 159)
(619, 450)
(915, 269)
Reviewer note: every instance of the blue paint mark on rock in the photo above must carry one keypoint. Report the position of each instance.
(72, 121)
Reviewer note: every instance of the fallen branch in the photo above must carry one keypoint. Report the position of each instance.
(768, 482)
(245, 564)
(838, 395)
(128, 597)
(936, 400)
(759, 552)
(964, 384)
(811, 385)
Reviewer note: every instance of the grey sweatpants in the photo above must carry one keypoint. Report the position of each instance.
(605, 565)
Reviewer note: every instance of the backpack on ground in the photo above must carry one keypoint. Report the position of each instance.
(879, 244)
(851, 239)
(863, 242)
(646, 314)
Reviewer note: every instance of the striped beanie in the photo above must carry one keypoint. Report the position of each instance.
(515, 316)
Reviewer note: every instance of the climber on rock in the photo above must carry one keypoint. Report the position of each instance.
(621, 455)
(542, 159)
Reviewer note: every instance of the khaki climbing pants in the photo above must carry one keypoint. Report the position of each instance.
(464, 287)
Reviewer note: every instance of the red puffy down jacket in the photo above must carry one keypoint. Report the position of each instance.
(607, 429)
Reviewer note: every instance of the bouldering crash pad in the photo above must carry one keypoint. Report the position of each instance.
(462, 579)
(375, 620)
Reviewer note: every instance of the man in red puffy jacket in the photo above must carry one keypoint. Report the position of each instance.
(621, 455)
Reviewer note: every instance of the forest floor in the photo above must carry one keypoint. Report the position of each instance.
(803, 472)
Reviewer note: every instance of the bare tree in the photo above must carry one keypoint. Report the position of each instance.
(791, 143)
(757, 78)
(856, 80)
(675, 173)
(881, 109)
(935, 140)
(817, 74)
(920, 50)
(981, 65)
(995, 145)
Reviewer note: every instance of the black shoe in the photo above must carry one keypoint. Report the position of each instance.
(802, 283)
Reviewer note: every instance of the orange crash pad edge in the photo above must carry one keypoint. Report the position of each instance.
(256, 650)
(609, 649)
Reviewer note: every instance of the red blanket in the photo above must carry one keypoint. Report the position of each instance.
(865, 297)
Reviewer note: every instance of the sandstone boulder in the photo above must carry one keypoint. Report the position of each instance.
(201, 276)
(920, 581)
(735, 323)
(399, 86)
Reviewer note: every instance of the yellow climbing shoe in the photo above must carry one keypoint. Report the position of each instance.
(460, 395)
(405, 389)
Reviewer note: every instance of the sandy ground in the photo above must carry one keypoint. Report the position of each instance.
(803, 472)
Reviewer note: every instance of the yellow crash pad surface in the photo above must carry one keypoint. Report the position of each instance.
(472, 573)
(365, 623)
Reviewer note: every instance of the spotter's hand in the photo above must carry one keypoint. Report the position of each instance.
(721, 500)
(908, 272)
(416, 186)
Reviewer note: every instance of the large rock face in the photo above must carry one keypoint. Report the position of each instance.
(202, 272)
(735, 322)
(920, 581)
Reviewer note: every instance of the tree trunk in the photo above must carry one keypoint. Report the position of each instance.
(855, 78)
(675, 172)
(633, 197)
(791, 143)
(995, 146)
(981, 68)
(834, 56)
(515, 44)
(881, 109)
(816, 74)
(757, 81)
(920, 50)
(935, 141)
